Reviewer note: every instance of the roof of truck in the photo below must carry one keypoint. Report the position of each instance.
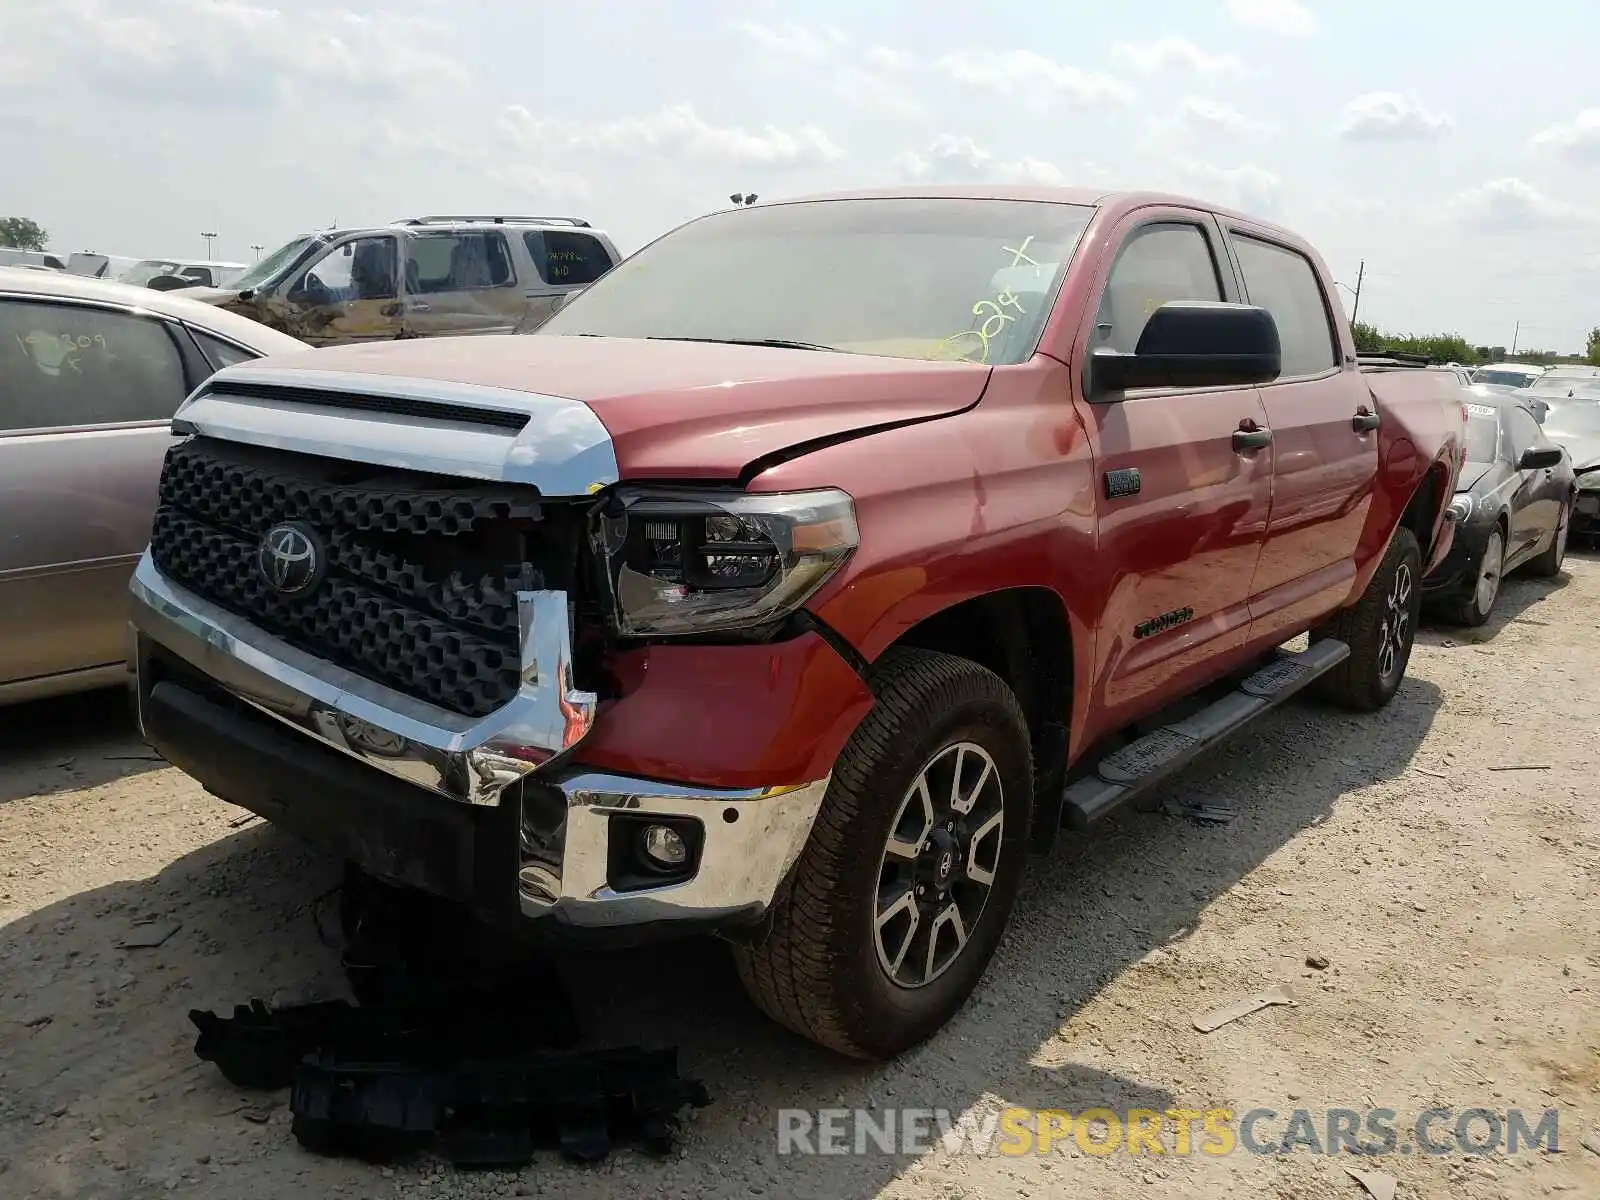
(1106, 198)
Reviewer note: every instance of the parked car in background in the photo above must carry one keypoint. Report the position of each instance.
(171, 274)
(93, 265)
(90, 375)
(1560, 381)
(801, 612)
(1518, 375)
(1513, 507)
(30, 258)
(1573, 421)
(420, 277)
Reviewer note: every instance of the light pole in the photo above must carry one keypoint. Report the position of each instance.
(258, 248)
(210, 238)
(1355, 305)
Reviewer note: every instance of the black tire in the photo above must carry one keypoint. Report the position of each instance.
(819, 969)
(1475, 608)
(1548, 564)
(1361, 682)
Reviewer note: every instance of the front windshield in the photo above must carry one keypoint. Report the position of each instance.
(937, 279)
(1516, 379)
(279, 261)
(1575, 417)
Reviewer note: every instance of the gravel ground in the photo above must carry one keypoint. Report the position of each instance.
(1454, 904)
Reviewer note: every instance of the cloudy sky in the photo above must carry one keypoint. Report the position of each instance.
(1459, 155)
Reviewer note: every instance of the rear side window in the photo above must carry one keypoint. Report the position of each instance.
(1157, 264)
(1283, 282)
(220, 353)
(566, 259)
(457, 262)
(69, 364)
(1524, 431)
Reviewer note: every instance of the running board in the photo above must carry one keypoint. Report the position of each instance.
(1149, 760)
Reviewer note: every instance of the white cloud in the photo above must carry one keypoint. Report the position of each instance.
(1512, 206)
(1202, 116)
(958, 159)
(869, 80)
(1175, 54)
(1577, 139)
(1391, 117)
(800, 41)
(680, 131)
(1022, 74)
(230, 52)
(1288, 17)
(1253, 190)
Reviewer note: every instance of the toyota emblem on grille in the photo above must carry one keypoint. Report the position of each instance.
(290, 558)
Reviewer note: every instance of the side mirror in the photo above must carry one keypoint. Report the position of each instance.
(1194, 343)
(1538, 458)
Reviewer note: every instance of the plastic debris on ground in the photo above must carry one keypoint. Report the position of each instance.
(457, 1044)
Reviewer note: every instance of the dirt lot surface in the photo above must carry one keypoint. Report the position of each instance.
(1455, 904)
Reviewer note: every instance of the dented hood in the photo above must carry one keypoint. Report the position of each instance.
(208, 295)
(682, 410)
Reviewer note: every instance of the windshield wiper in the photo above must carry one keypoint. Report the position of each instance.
(779, 343)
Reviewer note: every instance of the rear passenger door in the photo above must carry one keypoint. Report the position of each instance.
(1325, 463)
(460, 282)
(87, 394)
(563, 261)
(1186, 479)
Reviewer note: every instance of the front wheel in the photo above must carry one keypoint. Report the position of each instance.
(1475, 607)
(900, 897)
(1379, 628)
(1548, 564)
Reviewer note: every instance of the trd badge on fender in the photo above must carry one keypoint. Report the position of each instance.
(290, 558)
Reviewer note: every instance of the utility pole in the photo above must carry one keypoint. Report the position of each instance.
(258, 248)
(1355, 306)
(1515, 334)
(210, 238)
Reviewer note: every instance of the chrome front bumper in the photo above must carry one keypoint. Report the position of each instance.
(748, 839)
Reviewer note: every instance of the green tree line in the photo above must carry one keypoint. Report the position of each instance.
(1452, 347)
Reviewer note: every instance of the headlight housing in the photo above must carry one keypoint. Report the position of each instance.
(679, 561)
(1590, 482)
(1460, 507)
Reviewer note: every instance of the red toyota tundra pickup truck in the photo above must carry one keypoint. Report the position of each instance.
(797, 579)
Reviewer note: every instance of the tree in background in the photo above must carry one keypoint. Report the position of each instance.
(22, 233)
(1441, 347)
(1592, 350)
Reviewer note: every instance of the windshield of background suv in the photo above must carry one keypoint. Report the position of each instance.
(1514, 379)
(280, 261)
(143, 272)
(937, 279)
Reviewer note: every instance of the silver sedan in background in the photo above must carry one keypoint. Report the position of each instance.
(90, 375)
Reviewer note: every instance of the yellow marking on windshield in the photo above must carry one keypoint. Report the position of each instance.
(993, 314)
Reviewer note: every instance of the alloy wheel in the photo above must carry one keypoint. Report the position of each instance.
(1494, 557)
(1394, 637)
(939, 864)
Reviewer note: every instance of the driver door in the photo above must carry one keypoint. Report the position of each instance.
(350, 294)
(1537, 502)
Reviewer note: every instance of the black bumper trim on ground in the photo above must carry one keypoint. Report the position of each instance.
(390, 828)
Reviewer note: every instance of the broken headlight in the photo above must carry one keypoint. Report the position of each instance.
(685, 562)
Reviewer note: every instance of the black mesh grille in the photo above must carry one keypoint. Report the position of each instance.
(421, 583)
